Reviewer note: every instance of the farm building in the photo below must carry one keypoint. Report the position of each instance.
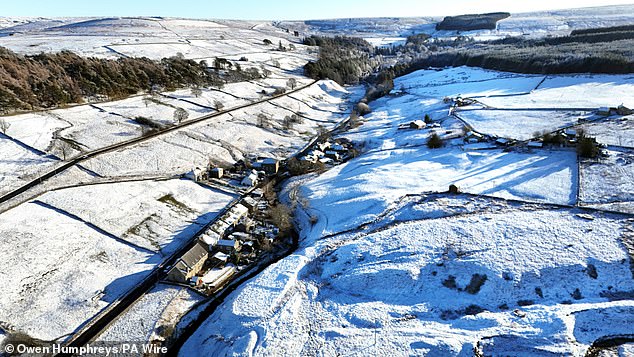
(219, 258)
(623, 110)
(196, 174)
(189, 264)
(270, 166)
(216, 172)
(535, 144)
(228, 246)
(605, 111)
(251, 179)
(216, 277)
(417, 124)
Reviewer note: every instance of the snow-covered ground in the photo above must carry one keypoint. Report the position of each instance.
(608, 180)
(19, 164)
(230, 137)
(156, 215)
(150, 37)
(411, 287)
(573, 91)
(520, 124)
(384, 31)
(58, 271)
(387, 267)
(153, 316)
(69, 254)
(613, 131)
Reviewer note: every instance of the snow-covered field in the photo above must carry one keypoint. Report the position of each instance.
(387, 267)
(613, 131)
(384, 31)
(589, 91)
(152, 316)
(58, 271)
(18, 164)
(520, 125)
(609, 180)
(231, 137)
(69, 254)
(156, 215)
(412, 288)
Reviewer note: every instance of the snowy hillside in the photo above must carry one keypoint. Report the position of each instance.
(393, 31)
(391, 264)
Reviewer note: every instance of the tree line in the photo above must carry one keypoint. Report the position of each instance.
(50, 80)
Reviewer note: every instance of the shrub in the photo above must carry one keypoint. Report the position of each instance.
(587, 147)
(434, 141)
(592, 271)
(450, 282)
(525, 302)
(282, 217)
(477, 280)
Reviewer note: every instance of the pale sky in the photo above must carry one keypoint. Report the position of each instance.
(282, 9)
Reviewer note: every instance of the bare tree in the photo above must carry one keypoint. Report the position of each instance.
(265, 72)
(4, 126)
(291, 83)
(65, 148)
(262, 120)
(180, 114)
(196, 92)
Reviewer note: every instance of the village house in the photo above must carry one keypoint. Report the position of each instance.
(228, 246)
(251, 179)
(331, 154)
(196, 174)
(219, 258)
(250, 203)
(189, 264)
(535, 144)
(270, 166)
(323, 146)
(417, 124)
(209, 239)
(240, 236)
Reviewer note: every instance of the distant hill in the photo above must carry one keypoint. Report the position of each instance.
(472, 22)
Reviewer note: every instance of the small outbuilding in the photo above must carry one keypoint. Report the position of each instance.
(228, 246)
(454, 189)
(270, 166)
(216, 172)
(251, 179)
(196, 174)
(417, 124)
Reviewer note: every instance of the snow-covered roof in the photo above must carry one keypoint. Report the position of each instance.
(221, 256)
(226, 243)
(216, 274)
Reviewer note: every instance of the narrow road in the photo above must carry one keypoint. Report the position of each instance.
(91, 154)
